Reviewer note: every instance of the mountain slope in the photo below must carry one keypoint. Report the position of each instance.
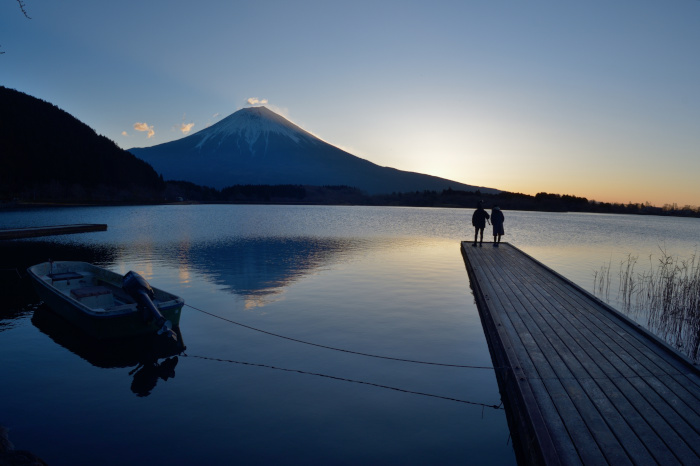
(257, 146)
(49, 154)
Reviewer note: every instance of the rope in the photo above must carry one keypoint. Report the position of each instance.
(11, 270)
(336, 349)
(483, 405)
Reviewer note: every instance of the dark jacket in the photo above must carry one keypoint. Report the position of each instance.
(479, 218)
(497, 218)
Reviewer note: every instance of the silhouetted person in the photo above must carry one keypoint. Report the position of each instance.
(479, 219)
(497, 220)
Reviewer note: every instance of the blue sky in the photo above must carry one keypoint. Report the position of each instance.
(599, 99)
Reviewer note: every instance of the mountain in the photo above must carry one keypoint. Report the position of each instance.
(257, 146)
(49, 154)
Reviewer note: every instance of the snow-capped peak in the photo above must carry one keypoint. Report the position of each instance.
(250, 124)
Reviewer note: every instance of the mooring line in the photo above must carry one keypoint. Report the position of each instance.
(343, 379)
(10, 269)
(337, 349)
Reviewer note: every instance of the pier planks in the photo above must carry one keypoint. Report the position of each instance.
(582, 384)
(33, 232)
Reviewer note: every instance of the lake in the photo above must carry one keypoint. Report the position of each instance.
(376, 280)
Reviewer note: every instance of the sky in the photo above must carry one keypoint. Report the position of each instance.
(598, 99)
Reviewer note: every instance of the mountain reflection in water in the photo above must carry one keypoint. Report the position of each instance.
(258, 269)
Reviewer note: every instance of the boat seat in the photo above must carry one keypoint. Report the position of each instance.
(86, 291)
(94, 296)
(64, 276)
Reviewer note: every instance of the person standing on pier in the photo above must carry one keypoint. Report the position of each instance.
(479, 219)
(497, 219)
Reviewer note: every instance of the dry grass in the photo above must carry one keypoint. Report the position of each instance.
(667, 295)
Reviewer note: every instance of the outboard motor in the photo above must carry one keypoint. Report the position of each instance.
(139, 289)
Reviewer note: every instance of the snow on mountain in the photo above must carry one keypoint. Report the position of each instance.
(257, 146)
(250, 125)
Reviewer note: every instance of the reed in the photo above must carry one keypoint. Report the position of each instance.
(666, 295)
(601, 281)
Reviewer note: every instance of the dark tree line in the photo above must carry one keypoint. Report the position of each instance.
(546, 202)
(265, 192)
(346, 195)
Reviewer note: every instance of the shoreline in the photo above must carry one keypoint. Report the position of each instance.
(23, 205)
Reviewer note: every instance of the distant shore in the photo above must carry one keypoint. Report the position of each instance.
(182, 193)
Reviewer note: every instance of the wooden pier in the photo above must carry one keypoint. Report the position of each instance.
(33, 232)
(581, 383)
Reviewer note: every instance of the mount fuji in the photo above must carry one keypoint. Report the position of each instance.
(257, 146)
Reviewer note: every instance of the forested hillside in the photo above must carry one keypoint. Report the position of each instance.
(47, 154)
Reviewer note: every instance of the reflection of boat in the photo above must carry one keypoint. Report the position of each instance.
(152, 356)
(103, 303)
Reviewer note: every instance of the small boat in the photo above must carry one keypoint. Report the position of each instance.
(103, 303)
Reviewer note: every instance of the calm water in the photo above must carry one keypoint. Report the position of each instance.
(387, 281)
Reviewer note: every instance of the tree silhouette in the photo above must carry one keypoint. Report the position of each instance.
(23, 7)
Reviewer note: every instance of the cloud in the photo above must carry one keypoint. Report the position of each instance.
(213, 117)
(124, 133)
(145, 127)
(256, 101)
(186, 127)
